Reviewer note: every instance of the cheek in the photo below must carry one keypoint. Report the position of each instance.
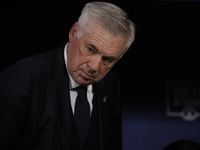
(78, 59)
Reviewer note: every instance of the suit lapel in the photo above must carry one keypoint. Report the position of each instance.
(102, 108)
(60, 93)
(63, 110)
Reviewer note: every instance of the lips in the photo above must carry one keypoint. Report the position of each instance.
(87, 76)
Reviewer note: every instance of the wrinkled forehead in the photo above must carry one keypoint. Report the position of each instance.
(97, 32)
(92, 25)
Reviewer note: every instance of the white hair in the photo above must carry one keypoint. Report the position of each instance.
(112, 18)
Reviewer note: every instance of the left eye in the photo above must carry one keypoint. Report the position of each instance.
(107, 60)
(91, 50)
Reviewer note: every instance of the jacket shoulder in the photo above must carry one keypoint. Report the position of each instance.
(41, 63)
(37, 62)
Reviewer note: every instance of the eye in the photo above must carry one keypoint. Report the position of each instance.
(90, 50)
(107, 61)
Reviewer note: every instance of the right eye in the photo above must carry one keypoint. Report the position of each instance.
(90, 50)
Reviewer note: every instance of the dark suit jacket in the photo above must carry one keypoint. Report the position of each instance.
(35, 110)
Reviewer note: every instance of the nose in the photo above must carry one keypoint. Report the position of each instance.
(94, 64)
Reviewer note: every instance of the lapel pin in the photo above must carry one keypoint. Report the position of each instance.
(105, 99)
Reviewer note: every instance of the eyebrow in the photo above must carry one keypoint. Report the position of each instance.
(91, 45)
(107, 57)
(110, 57)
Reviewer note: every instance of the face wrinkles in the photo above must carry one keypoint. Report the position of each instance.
(107, 44)
(92, 55)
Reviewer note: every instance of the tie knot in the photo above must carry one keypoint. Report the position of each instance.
(82, 91)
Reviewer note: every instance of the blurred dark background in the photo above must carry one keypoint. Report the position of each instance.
(166, 50)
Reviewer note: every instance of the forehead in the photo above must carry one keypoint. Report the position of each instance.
(103, 41)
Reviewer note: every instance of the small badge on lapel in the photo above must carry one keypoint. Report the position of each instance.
(105, 99)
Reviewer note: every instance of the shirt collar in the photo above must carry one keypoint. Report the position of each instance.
(72, 83)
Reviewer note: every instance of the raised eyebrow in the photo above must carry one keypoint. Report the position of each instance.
(110, 57)
(92, 46)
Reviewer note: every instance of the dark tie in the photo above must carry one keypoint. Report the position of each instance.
(82, 114)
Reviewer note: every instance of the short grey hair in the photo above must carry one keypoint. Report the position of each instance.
(112, 18)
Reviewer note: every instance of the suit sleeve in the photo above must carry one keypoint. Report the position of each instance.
(14, 105)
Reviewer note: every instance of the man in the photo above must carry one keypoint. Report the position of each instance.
(40, 95)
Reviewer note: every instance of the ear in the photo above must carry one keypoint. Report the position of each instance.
(73, 32)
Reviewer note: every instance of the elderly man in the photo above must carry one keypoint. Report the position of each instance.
(67, 98)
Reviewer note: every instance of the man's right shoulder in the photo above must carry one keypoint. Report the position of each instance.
(37, 63)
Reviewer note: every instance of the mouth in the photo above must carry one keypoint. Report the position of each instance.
(87, 76)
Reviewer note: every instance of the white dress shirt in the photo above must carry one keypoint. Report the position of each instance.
(73, 85)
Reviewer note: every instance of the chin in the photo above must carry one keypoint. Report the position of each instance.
(84, 82)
